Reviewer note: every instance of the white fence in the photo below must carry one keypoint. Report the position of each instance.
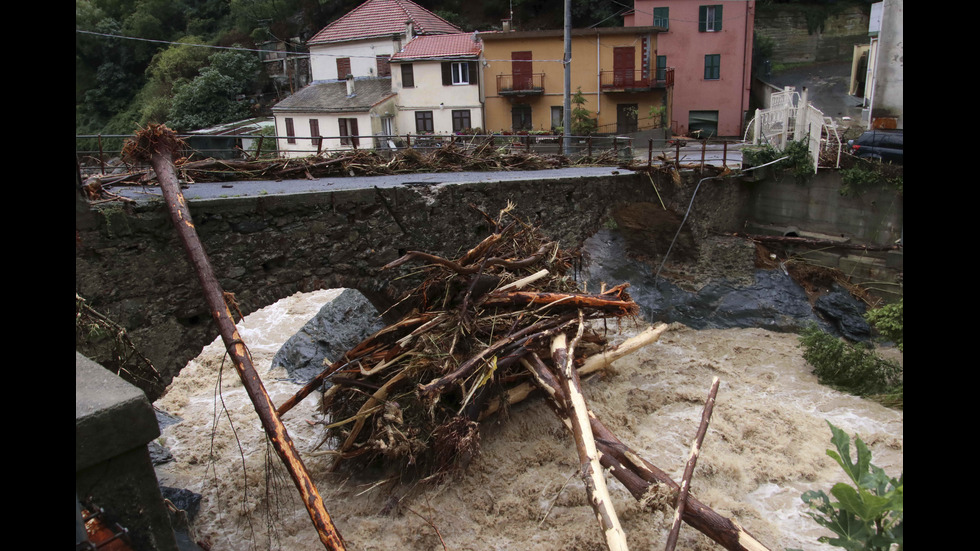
(791, 118)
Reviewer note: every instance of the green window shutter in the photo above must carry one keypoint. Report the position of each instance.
(718, 17)
(702, 18)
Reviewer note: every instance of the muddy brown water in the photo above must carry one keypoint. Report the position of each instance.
(765, 446)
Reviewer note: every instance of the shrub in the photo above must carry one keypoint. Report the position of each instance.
(868, 515)
(852, 368)
(888, 321)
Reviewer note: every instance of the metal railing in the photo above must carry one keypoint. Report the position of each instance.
(520, 84)
(635, 80)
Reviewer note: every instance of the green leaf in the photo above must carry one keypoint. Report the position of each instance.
(865, 505)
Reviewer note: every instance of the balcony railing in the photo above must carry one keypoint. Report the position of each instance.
(520, 85)
(635, 81)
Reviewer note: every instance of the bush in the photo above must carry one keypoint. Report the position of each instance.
(848, 367)
(868, 516)
(888, 321)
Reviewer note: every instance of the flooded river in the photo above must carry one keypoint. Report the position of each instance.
(765, 446)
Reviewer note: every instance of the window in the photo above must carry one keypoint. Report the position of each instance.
(343, 67)
(712, 67)
(458, 72)
(521, 117)
(290, 131)
(661, 67)
(348, 132)
(661, 17)
(461, 120)
(557, 117)
(461, 73)
(384, 68)
(315, 133)
(709, 18)
(423, 122)
(408, 76)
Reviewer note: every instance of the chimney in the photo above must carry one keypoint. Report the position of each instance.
(409, 30)
(350, 85)
(505, 24)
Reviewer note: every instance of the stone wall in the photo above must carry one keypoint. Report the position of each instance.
(789, 26)
(130, 266)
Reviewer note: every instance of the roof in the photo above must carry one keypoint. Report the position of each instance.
(440, 46)
(551, 33)
(377, 18)
(331, 97)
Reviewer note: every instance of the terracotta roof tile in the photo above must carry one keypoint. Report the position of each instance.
(376, 18)
(441, 45)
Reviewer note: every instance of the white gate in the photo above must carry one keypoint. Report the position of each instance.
(791, 118)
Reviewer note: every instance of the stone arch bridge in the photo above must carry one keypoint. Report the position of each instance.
(130, 266)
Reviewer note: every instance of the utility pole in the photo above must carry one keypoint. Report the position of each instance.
(567, 62)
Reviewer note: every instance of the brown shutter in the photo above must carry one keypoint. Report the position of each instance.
(343, 67)
(343, 132)
(624, 62)
(474, 72)
(354, 133)
(384, 67)
(408, 76)
(520, 63)
(447, 73)
(290, 132)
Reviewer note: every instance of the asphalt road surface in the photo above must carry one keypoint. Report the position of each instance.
(284, 187)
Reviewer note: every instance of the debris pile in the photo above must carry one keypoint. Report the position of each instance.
(414, 393)
(489, 154)
(483, 332)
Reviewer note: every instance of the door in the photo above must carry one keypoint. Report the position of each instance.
(521, 67)
(623, 66)
(626, 118)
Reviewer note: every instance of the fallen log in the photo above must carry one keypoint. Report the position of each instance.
(590, 469)
(816, 242)
(158, 144)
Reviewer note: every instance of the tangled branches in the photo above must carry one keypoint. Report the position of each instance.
(414, 393)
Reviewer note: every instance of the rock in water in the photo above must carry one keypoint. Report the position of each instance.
(339, 326)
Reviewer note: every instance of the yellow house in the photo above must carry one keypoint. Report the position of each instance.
(614, 67)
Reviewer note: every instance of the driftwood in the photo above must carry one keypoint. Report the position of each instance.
(692, 460)
(158, 144)
(815, 242)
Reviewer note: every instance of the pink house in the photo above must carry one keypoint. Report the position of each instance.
(709, 46)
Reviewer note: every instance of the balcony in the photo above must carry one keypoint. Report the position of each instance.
(521, 85)
(635, 81)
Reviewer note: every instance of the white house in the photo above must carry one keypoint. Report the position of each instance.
(351, 100)
(361, 42)
(327, 116)
(437, 79)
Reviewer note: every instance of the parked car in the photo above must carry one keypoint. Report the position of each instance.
(883, 145)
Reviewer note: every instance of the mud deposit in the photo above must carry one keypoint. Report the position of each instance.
(765, 446)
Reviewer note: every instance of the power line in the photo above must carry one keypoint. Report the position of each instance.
(241, 49)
